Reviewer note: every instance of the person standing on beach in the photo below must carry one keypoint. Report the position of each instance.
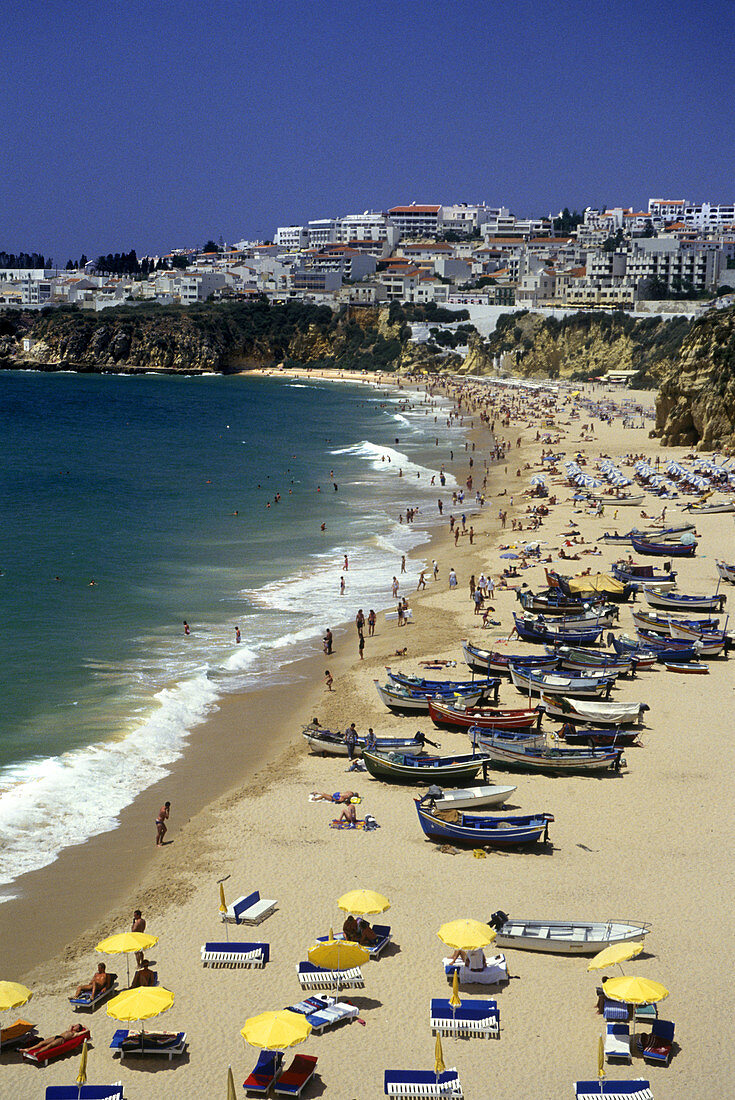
(361, 646)
(394, 588)
(360, 621)
(452, 579)
(341, 586)
(138, 925)
(328, 639)
(161, 830)
(346, 565)
(350, 736)
(371, 620)
(328, 679)
(403, 563)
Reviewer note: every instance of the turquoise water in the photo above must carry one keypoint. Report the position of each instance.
(157, 490)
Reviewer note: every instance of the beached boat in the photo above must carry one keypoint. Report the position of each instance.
(471, 798)
(564, 937)
(725, 572)
(708, 508)
(691, 668)
(410, 702)
(683, 649)
(594, 686)
(459, 827)
(664, 549)
(549, 759)
(592, 587)
(450, 715)
(488, 660)
(638, 575)
(594, 713)
(662, 624)
(333, 743)
(675, 601)
(402, 767)
(531, 630)
(488, 686)
(664, 534)
(703, 638)
(583, 659)
(662, 649)
(553, 602)
(596, 738)
(626, 500)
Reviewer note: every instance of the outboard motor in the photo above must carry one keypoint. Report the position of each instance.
(497, 920)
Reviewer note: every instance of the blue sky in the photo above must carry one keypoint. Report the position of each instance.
(157, 123)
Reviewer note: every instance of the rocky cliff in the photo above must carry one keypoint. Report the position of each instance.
(695, 405)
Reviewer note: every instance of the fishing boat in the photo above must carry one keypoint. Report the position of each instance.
(403, 699)
(594, 686)
(679, 649)
(404, 767)
(686, 632)
(596, 738)
(488, 686)
(725, 572)
(572, 937)
(592, 587)
(546, 758)
(664, 534)
(531, 630)
(458, 827)
(626, 500)
(470, 798)
(675, 601)
(578, 660)
(659, 648)
(664, 549)
(662, 624)
(708, 508)
(488, 660)
(594, 713)
(452, 716)
(602, 615)
(552, 602)
(333, 743)
(692, 667)
(638, 575)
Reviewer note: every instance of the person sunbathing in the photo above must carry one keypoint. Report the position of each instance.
(99, 983)
(143, 976)
(338, 797)
(348, 815)
(474, 960)
(57, 1040)
(358, 931)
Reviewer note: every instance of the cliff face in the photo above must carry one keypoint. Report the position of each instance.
(695, 405)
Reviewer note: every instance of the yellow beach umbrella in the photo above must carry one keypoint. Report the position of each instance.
(634, 991)
(13, 995)
(363, 902)
(231, 1094)
(439, 1066)
(125, 943)
(222, 902)
(455, 1000)
(615, 954)
(600, 1058)
(466, 935)
(82, 1075)
(275, 1030)
(338, 954)
(140, 1003)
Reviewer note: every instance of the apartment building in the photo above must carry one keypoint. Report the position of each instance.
(416, 221)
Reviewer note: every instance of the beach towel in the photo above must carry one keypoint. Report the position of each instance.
(346, 825)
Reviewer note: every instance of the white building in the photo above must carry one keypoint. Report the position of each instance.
(368, 226)
(416, 221)
(292, 237)
(323, 231)
(198, 286)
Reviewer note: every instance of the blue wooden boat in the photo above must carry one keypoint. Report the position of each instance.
(580, 660)
(531, 682)
(664, 549)
(661, 650)
(553, 602)
(488, 660)
(332, 743)
(533, 631)
(549, 760)
(678, 601)
(488, 686)
(664, 624)
(638, 575)
(458, 827)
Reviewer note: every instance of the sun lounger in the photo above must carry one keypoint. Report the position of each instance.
(657, 1047)
(67, 1047)
(646, 1014)
(382, 931)
(324, 1012)
(294, 1079)
(86, 1003)
(264, 1073)
(249, 955)
(495, 971)
(617, 1043)
(422, 1082)
(250, 909)
(616, 1011)
(85, 1092)
(474, 1019)
(15, 1035)
(133, 1042)
(614, 1090)
(318, 977)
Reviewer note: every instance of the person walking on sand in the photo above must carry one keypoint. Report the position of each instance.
(371, 620)
(138, 925)
(161, 830)
(328, 679)
(452, 579)
(422, 580)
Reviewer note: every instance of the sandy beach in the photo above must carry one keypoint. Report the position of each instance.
(648, 844)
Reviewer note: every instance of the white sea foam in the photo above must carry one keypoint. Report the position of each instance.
(391, 462)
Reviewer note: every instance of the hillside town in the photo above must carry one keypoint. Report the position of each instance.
(676, 256)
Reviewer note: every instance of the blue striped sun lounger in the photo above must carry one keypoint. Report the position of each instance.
(418, 1083)
(478, 1019)
(317, 977)
(85, 1092)
(614, 1090)
(248, 955)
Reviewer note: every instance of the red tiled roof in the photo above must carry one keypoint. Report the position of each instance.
(414, 210)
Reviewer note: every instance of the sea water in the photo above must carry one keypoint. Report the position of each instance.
(129, 505)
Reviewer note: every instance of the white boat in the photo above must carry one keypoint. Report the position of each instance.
(567, 937)
(619, 502)
(534, 683)
(397, 698)
(471, 798)
(726, 572)
(711, 509)
(594, 713)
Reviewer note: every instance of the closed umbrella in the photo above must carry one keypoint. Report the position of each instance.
(82, 1075)
(439, 1066)
(455, 1000)
(231, 1094)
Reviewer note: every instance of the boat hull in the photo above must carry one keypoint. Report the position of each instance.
(443, 715)
(454, 773)
(567, 938)
(407, 703)
(474, 798)
(549, 761)
(602, 714)
(477, 830)
(663, 549)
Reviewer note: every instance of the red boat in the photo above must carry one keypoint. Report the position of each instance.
(462, 718)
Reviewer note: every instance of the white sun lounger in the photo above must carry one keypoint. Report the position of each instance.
(617, 1043)
(317, 977)
(613, 1090)
(249, 909)
(421, 1083)
(478, 1019)
(246, 955)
